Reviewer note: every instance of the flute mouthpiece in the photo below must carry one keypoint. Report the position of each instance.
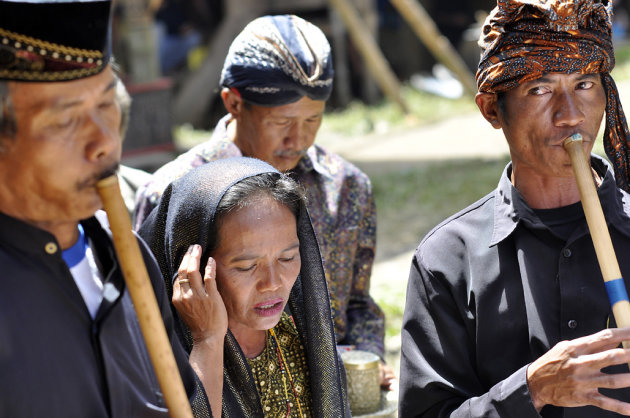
(107, 181)
(573, 138)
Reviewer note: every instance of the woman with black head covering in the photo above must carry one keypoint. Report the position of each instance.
(245, 225)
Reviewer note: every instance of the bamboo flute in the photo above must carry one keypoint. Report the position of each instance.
(144, 301)
(598, 228)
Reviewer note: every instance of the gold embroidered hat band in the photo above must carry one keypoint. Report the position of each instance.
(53, 40)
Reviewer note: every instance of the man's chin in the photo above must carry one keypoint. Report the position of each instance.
(90, 203)
(285, 164)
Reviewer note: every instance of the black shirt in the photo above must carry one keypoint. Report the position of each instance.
(493, 288)
(55, 360)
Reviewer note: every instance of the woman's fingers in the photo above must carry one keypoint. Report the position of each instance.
(188, 276)
(210, 276)
(182, 280)
(197, 300)
(210, 283)
(192, 274)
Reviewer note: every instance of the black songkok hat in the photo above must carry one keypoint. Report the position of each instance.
(53, 40)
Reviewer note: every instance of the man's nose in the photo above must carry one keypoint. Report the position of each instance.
(103, 138)
(568, 110)
(293, 139)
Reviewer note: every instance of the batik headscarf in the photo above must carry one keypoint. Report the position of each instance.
(277, 60)
(182, 218)
(523, 39)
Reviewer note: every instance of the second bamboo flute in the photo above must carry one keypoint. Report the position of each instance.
(144, 301)
(598, 228)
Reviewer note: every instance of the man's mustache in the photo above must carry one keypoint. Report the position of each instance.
(290, 153)
(100, 175)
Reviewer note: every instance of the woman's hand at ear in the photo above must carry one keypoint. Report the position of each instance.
(201, 307)
(198, 301)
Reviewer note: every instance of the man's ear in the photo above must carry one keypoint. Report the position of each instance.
(232, 101)
(489, 108)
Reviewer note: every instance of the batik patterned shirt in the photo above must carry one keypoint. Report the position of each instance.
(341, 206)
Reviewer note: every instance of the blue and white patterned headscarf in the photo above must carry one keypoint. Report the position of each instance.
(277, 60)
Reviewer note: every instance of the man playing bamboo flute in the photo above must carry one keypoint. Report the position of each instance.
(70, 341)
(507, 314)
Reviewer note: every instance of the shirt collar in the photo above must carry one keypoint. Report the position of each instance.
(219, 145)
(510, 208)
(221, 131)
(26, 237)
(506, 202)
(316, 160)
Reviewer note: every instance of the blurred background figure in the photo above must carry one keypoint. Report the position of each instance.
(621, 20)
(129, 178)
(183, 25)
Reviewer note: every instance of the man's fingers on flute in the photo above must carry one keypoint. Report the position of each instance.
(612, 381)
(610, 404)
(601, 341)
(609, 357)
